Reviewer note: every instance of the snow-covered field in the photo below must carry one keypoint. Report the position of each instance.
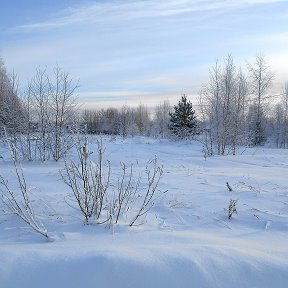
(186, 240)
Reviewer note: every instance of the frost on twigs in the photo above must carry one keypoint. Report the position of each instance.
(87, 181)
(17, 201)
(151, 193)
(98, 197)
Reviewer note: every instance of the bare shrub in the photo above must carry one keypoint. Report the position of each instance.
(18, 202)
(232, 209)
(86, 181)
(96, 195)
(147, 199)
(126, 192)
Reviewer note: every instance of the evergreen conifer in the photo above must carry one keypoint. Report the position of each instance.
(183, 122)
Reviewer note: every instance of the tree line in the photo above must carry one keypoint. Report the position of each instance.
(238, 108)
(234, 109)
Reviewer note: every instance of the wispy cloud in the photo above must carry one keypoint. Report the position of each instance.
(96, 12)
(152, 46)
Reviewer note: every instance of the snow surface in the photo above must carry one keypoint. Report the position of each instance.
(186, 240)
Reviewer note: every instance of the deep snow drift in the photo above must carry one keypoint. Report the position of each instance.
(186, 240)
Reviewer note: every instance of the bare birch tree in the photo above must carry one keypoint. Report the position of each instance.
(281, 120)
(61, 103)
(141, 119)
(222, 104)
(261, 79)
(161, 120)
(285, 112)
(40, 93)
(239, 117)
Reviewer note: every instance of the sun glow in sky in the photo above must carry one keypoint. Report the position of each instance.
(148, 51)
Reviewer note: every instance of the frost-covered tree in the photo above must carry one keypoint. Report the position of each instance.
(261, 79)
(11, 110)
(62, 104)
(223, 106)
(285, 116)
(161, 120)
(91, 121)
(183, 122)
(238, 126)
(141, 119)
(280, 125)
(49, 117)
(127, 122)
(40, 94)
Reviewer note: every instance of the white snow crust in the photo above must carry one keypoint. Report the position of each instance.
(186, 239)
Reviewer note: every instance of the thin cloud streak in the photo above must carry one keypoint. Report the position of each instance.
(153, 47)
(94, 13)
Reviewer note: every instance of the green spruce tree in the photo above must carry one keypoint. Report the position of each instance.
(183, 122)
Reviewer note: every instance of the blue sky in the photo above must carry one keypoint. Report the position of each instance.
(148, 51)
